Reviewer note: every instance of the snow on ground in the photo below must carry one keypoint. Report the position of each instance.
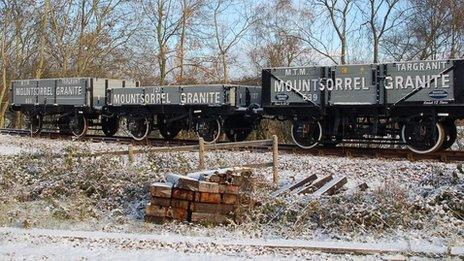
(406, 201)
(11, 145)
(62, 244)
(10, 150)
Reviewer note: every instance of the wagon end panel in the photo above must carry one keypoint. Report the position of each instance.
(159, 95)
(125, 96)
(170, 95)
(266, 87)
(420, 82)
(129, 83)
(209, 95)
(299, 86)
(353, 85)
(24, 92)
(46, 89)
(254, 96)
(458, 81)
(72, 91)
(244, 96)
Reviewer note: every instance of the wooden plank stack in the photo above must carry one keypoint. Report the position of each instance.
(315, 185)
(208, 197)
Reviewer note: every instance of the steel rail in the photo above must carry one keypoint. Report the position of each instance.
(341, 151)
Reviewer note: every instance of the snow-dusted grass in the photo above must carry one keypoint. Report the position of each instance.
(61, 244)
(10, 150)
(405, 200)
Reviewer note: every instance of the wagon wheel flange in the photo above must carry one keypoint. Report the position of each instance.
(208, 129)
(450, 134)
(423, 136)
(78, 125)
(306, 134)
(139, 127)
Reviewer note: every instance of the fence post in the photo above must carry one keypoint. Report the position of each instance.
(201, 155)
(130, 151)
(275, 160)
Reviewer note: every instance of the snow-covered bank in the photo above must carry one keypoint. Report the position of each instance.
(87, 244)
(406, 201)
(8, 149)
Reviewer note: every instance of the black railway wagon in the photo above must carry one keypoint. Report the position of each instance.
(414, 103)
(71, 104)
(208, 109)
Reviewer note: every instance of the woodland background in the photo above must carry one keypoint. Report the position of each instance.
(215, 41)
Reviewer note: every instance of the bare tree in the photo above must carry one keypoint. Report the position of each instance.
(190, 10)
(382, 16)
(325, 26)
(456, 28)
(164, 19)
(42, 39)
(61, 38)
(232, 19)
(431, 31)
(18, 46)
(338, 13)
(273, 43)
(85, 36)
(5, 18)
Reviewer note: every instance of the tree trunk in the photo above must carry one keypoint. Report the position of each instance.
(225, 78)
(343, 51)
(162, 45)
(376, 50)
(181, 54)
(162, 64)
(4, 106)
(43, 25)
(180, 78)
(81, 38)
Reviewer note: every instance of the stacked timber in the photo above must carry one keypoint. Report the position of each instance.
(208, 197)
(314, 185)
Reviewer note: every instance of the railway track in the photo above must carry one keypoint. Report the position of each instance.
(385, 153)
(442, 156)
(101, 138)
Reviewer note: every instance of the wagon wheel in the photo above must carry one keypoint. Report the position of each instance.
(306, 134)
(139, 127)
(110, 125)
(423, 136)
(450, 134)
(168, 130)
(208, 129)
(78, 125)
(34, 123)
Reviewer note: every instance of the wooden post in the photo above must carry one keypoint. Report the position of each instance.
(131, 153)
(275, 160)
(201, 155)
